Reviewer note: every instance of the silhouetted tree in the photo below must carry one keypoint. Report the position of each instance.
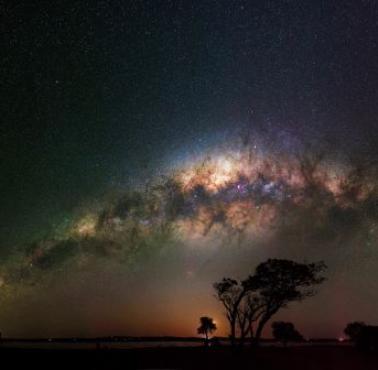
(230, 293)
(275, 283)
(207, 327)
(353, 330)
(280, 282)
(285, 332)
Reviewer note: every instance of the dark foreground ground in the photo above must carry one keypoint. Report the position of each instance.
(303, 358)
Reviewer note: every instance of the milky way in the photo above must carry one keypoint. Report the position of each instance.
(237, 194)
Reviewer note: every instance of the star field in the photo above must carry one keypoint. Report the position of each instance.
(149, 148)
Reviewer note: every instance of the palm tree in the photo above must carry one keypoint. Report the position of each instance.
(207, 327)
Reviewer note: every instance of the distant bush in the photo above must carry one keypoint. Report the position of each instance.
(365, 337)
(285, 332)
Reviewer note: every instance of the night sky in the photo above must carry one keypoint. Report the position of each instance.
(149, 148)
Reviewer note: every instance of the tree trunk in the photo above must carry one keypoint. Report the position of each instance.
(242, 339)
(233, 332)
(251, 334)
(243, 325)
(259, 330)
